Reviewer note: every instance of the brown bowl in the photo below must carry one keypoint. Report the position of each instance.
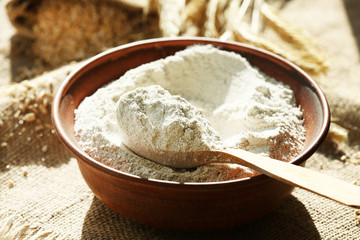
(184, 206)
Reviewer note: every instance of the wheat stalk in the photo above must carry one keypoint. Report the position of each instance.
(171, 15)
(210, 26)
(308, 54)
(194, 17)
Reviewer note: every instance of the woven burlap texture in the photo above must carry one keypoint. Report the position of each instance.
(43, 195)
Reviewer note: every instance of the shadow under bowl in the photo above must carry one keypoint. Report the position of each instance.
(184, 206)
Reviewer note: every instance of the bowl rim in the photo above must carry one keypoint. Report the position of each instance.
(80, 154)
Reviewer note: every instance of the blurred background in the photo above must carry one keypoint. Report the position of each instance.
(40, 35)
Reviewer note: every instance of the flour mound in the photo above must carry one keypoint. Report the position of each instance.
(151, 118)
(247, 108)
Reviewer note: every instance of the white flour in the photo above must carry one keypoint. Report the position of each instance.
(154, 123)
(248, 109)
(150, 120)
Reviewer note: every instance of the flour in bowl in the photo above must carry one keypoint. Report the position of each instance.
(248, 109)
(153, 123)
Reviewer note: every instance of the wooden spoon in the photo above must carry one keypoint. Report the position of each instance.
(142, 118)
(322, 184)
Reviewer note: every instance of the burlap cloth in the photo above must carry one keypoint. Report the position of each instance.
(43, 195)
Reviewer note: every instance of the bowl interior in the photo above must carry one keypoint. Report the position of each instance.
(112, 64)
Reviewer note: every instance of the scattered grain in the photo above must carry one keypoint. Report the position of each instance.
(27, 86)
(17, 114)
(343, 158)
(355, 161)
(337, 133)
(33, 108)
(356, 155)
(41, 94)
(38, 128)
(4, 144)
(357, 215)
(44, 148)
(26, 104)
(10, 184)
(43, 109)
(49, 126)
(29, 117)
(46, 101)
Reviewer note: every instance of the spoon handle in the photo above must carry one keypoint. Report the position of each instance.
(322, 184)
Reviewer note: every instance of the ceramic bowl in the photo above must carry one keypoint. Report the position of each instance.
(184, 206)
